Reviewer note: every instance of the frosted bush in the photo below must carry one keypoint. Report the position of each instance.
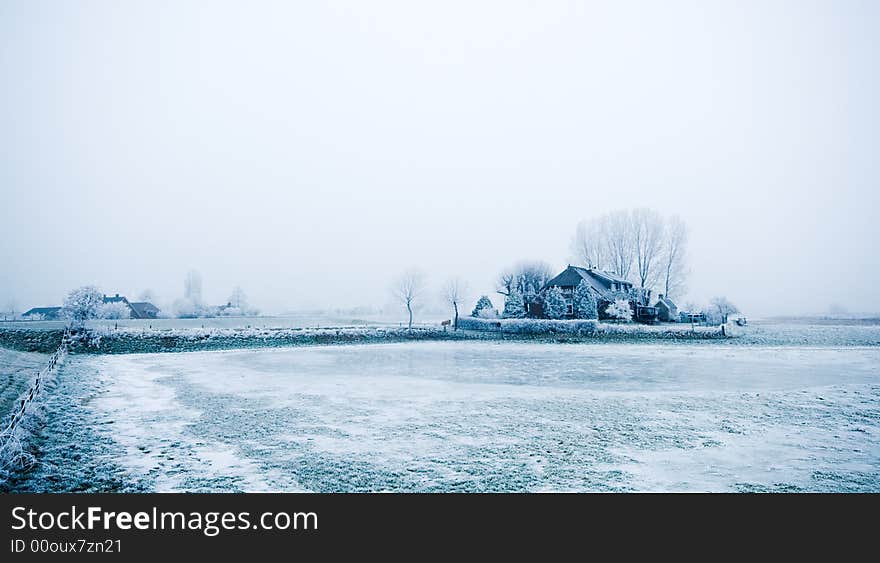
(555, 306)
(514, 308)
(114, 310)
(619, 310)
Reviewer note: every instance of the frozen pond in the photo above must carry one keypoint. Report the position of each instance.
(488, 416)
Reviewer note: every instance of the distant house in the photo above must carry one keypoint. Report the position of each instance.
(667, 311)
(42, 314)
(138, 310)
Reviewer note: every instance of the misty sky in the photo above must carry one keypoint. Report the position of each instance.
(311, 151)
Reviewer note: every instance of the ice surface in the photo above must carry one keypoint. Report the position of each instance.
(493, 416)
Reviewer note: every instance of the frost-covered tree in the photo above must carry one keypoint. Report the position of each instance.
(483, 304)
(619, 310)
(637, 244)
(675, 257)
(531, 297)
(489, 313)
(454, 292)
(82, 304)
(11, 309)
(514, 308)
(148, 296)
(584, 302)
(114, 310)
(648, 231)
(620, 246)
(407, 289)
(722, 307)
(192, 287)
(522, 275)
(238, 299)
(185, 309)
(555, 306)
(589, 245)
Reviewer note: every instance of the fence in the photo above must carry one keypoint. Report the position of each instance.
(12, 452)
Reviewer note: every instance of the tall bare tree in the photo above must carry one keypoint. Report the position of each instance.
(675, 257)
(620, 242)
(408, 288)
(11, 308)
(192, 287)
(647, 232)
(589, 245)
(455, 291)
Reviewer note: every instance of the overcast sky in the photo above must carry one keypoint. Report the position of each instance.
(311, 151)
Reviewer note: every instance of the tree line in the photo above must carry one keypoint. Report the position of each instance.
(639, 245)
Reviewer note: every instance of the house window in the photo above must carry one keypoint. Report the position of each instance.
(569, 309)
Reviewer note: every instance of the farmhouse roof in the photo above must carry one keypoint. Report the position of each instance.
(573, 275)
(143, 308)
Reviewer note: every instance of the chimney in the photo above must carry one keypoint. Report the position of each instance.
(117, 296)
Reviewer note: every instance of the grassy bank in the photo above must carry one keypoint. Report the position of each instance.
(132, 340)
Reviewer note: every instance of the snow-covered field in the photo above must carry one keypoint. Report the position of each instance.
(468, 416)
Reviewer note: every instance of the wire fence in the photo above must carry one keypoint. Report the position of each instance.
(12, 451)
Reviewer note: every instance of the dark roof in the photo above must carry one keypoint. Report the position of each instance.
(41, 311)
(143, 308)
(607, 275)
(667, 301)
(573, 275)
(115, 299)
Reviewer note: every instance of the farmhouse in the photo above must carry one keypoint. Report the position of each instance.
(606, 287)
(137, 310)
(603, 284)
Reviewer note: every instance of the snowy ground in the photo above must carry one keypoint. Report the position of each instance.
(468, 416)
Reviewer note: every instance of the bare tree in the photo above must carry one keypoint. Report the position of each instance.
(723, 307)
(407, 289)
(674, 257)
(620, 242)
(647, 232)
(455, 291)
(11, 308)
(589, 245)
(524, 277)
(148, 295)
(192, 287)
(238, 298)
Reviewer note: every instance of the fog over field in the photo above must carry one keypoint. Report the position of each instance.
(310, 152)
